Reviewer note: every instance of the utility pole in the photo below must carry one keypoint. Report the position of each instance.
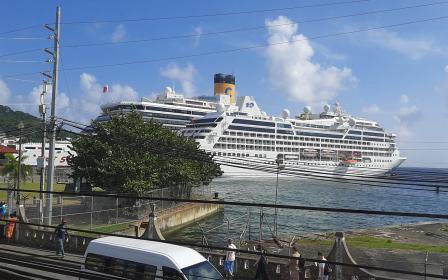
(50, 179)
(41, 163)
(19, 167)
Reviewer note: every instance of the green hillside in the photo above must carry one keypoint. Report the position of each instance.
(9, 120)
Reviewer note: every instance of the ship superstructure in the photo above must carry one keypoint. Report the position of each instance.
(170, 109)
(247, 142)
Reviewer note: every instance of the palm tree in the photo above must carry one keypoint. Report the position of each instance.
(11, 169)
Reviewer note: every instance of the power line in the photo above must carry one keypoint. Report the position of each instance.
(23, 80)
(21, 61)
(322, 174)
(216, 14)
(226, 51)
(22, 38)
(248, 204)
(330, 179)
(256, 253)
(20, 29)
(20, 52)
(235, 30)
(184, 36)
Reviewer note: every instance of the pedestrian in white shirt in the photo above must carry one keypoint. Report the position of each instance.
(230, 258)
(323, 269)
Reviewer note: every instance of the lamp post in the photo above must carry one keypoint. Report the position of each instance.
(20, 126)
(280, 165)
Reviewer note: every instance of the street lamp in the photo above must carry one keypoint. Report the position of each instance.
(280, 165)
(20, 126)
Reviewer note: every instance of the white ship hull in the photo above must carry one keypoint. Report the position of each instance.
(245, 168)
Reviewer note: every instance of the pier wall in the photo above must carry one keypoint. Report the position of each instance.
(182, 215)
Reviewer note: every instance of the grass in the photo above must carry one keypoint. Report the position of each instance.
(28, 186)
(368, 242)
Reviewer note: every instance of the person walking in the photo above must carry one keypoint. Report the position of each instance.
(229, 263)
(261, 264)
(61, 234)
(323, 269)
(294, 264)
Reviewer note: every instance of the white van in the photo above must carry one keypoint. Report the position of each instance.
(143, 259)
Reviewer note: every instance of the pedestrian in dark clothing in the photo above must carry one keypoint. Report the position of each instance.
(61, 234)
(261, 263)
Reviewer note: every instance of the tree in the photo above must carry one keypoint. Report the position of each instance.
(11, 168)
(127, 154)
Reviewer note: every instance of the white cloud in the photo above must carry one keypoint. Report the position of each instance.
(82, 107)
(404, 99)
(327, 52)
(5, 92)
(185, 76)
(86, 105)
(446, 69)
(119, 33)
(292, 71)
(406, 117)
(372, 109)
(415, 48)
(198, 31)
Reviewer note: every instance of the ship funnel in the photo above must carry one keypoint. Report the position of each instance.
(225, 85)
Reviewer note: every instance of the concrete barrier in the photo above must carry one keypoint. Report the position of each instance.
(30, 236)
(175, 218)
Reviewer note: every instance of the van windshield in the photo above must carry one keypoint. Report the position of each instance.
(202, 271)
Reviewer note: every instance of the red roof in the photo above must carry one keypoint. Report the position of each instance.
(7, 150)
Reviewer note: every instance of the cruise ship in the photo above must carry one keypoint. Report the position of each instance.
(172, 110)
(248, 142)
(332, 143)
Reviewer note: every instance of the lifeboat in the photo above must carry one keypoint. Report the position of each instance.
(351, 161)
(357, 154)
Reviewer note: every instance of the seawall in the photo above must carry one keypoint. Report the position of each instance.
(183, 215)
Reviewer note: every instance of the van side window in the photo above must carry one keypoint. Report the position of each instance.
(94, 262)
(140, 271)
(117, 267)
(149, 271)
(171, 274)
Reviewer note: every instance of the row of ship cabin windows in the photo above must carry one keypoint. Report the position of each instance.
(269, 142)
(238, 155)
(285, 137)
(279, 149)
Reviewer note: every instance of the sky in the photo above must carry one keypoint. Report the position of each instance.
(382, 60)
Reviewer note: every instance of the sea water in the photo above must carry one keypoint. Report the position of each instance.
(242, 222)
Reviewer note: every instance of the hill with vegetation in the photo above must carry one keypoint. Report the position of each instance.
(32, 131)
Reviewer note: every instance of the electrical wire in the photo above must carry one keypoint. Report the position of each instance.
(20, 29)
(229, 13)
(330, 175)
(24, 81)
(247, 252)
(23, 38)
(329, 179)
(247, 204)
(21, 61)
(186, 36)
(228, 51)
(344, 175)
(20, 52)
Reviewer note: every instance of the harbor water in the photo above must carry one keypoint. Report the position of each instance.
(241, 222)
